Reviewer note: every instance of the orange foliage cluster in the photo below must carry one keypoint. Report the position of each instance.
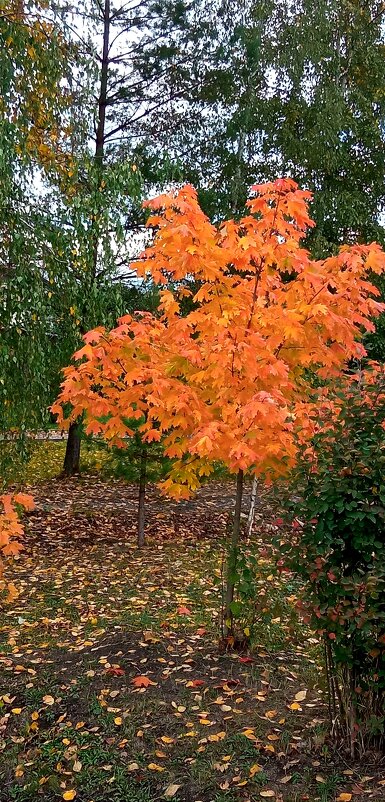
(11, 530)
(229, 379)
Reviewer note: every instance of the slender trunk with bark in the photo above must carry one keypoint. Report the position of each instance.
(72, 456)
(142, 493)
(228, 623)
(253, 502)
(101, 130)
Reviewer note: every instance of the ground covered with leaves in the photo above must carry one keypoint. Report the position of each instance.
(114, 684)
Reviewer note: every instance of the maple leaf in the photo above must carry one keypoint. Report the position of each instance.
(142, 682)
(25, 500)
(183, 611)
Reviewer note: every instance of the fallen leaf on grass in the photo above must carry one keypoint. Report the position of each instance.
(132, 767)
(183, 611)
(344, 798)
(155, 767)
(49, 700)
(171, 790)
(255, 769)
(142, 682)
(218, 736)
(68, 795)
(267, 794)
(115, 672)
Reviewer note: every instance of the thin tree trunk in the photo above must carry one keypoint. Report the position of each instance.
(72, 456)
(253, 501)
(101, 129)
(228, 623)
(142, 493)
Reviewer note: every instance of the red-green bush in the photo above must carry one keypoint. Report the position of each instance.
(338, 549)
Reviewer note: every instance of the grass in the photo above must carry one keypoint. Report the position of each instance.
(94, 614)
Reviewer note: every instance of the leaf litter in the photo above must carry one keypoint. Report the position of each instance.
(112, 682)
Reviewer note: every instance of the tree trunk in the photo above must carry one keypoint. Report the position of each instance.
(72, 456)
(142, 493)
(253, 501)
(101, 130)
(228, 623)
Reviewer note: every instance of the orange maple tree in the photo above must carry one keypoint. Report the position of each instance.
(11, 531)
(230, 380)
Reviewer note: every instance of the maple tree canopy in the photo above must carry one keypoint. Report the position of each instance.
(11, 530)
(230, 379)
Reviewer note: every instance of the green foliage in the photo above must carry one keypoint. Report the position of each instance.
(337, 547)
(126, 464)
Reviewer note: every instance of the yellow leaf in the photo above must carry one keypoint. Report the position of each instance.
(344, 798)
(255, 769)
(118, 720)
(295, 706)
(300, 696)
(35, 716)
(16, 710)
(49, 700)
(167, 740)
(267, 794)
(155, 767)
(68, 795)
(218, 736)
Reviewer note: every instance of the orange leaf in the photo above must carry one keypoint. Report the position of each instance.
(142, 682)
(183, 611)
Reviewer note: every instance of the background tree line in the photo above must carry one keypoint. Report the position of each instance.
(104, 103)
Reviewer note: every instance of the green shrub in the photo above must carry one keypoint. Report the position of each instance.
(337, 513)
